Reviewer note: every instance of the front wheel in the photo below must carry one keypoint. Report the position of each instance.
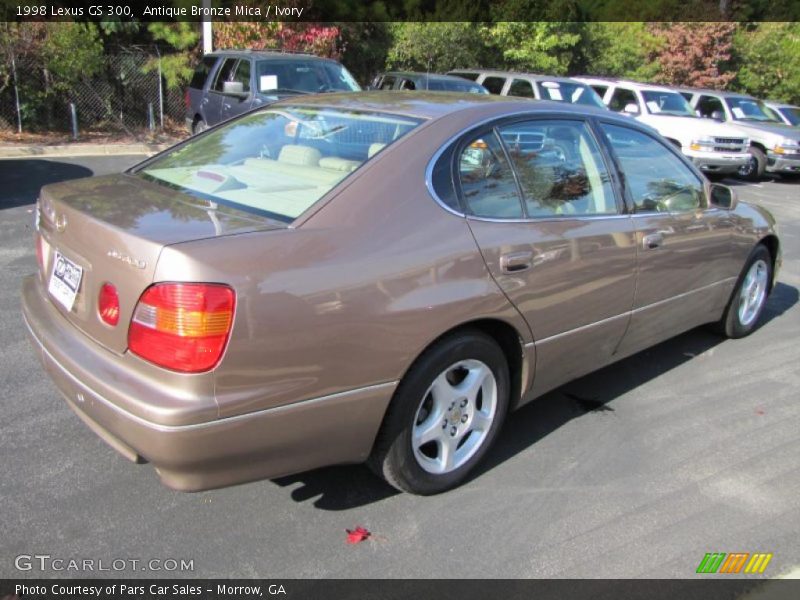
(749, 296)
(754, 169)
(444, 416)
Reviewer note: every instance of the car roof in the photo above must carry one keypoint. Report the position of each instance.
(434, 105)
(499, 73)
(778, 104)
(268, 54)
(429, 76)
(722, 93)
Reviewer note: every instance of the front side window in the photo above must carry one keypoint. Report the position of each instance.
(521, 87)
(657, 180)
(600, 90)
(621, 98)
(225, 73)
(280, 161)
(708, 105)
(487, 181)
(494, 84)
(667, 103)
(242, 74)
(304, 76)
(560, 168)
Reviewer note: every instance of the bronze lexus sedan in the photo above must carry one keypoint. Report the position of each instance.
(376, 277)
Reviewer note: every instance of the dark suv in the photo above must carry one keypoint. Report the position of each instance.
(228, 83)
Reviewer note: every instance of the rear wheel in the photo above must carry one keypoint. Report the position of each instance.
(749, 296)
(444, 416)
(754, 169)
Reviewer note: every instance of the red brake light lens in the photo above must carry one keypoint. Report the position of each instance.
(108, 304)
(182, 326)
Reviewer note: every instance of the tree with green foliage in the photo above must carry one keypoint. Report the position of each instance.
(620, 49)
(539, 46)
(176, 67)
(437, 47)
(768, 60)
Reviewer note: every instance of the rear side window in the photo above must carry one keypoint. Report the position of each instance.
(388, 82)
(621, 98)
(560, 168)
(407, 84)
(494, 84)
(600, 89)
(201, 72)
(657, 180)
(487, 181)
(521, 87)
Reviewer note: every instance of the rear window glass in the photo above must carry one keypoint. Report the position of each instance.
(277, 162)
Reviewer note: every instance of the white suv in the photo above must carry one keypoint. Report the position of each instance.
(713, 147)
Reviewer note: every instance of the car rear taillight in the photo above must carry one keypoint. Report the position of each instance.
(108, 304)
(182, 326)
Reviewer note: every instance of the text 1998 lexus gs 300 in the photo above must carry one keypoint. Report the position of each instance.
(376, 277)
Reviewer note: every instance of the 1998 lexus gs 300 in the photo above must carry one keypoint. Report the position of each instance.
(376, 277)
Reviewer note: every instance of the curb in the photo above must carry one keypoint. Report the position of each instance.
(80, 150)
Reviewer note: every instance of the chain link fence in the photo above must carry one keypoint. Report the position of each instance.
(127, 95)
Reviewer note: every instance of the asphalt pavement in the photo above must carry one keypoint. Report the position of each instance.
(637, 470)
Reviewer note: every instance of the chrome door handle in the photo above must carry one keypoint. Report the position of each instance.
(652, 241)
(516, 261)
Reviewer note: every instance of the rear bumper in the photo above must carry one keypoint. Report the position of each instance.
(334, 429)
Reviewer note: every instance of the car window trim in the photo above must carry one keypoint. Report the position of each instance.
(458, 140)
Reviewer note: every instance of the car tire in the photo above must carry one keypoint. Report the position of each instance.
(199, 126)
(754, 170)
(444, 416)
(749, 296)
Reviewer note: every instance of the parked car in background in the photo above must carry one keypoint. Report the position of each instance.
(376, 276)
(785, 113)
(599, 84)
(230, 82)
(714, 148)
(528, 85)
(431, 82)
(774, 146)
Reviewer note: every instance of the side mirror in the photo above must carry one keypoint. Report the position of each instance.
(718, 115)
(723, 197)
(234, 88)
(631, 108)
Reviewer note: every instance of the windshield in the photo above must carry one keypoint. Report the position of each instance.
(747, 109)
(792, 114)
(301, 76)
(279, 161)
(568, 91)
(667, 103)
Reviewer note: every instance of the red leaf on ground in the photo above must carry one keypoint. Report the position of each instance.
(359, 534)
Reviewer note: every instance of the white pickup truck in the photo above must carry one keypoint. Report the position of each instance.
(713, 147)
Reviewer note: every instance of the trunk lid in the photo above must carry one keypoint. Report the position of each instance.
(113, 229)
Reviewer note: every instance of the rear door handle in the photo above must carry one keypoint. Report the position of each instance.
(652, 241)
(516, 261)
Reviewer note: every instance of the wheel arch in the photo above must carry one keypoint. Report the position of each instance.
(511, 342)
(759, 145)
(772, 244)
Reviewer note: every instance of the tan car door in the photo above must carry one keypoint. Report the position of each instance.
(544, 211)
(684, 258)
